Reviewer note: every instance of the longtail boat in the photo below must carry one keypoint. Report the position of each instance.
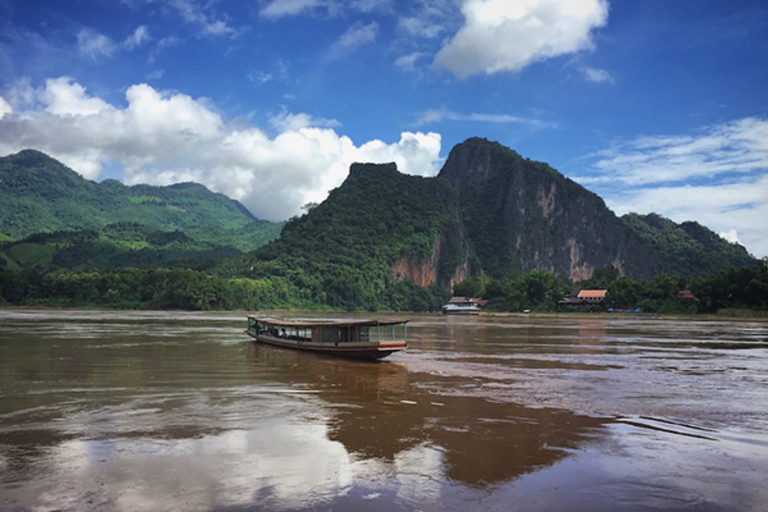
(358, 339)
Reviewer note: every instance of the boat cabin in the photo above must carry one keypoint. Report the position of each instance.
(330, 332)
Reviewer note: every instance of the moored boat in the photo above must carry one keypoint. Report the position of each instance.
(358, 339)
(452, 309)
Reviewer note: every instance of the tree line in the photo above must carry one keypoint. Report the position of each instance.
(737, 288)
(175, 288)
(742, 288)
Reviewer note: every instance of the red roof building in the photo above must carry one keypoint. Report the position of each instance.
(593, 296)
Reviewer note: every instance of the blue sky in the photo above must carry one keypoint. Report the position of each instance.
(654, 105)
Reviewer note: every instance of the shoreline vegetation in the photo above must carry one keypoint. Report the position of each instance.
(730, 315)
(737, 292)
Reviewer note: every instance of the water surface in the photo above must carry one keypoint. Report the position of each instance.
(181, 411)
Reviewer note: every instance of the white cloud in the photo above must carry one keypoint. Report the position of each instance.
(63, 97)
(500, 35)
(138, 38)
(355, 36)
(280, 8)
(164, 138)
(439, 115)
(718, 176)
(93, 44)
(420, 26)
(739, 146)
(731, 235)
(156, 74)
(5, 108)
(193, 13)
(280, 72)
(218, 28)
(408, 62)
(275, 9)
(598, 76)
(285, 121)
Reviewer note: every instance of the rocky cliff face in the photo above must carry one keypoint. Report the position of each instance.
(447, 265)
(523, 215)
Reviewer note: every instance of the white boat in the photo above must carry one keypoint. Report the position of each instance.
(452, 309)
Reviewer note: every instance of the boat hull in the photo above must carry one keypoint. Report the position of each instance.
(370, 351)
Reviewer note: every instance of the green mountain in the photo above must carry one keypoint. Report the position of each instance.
(489, 210)
(381, 240)
(687, 249)
(116, 245)
(40, 195)
(366, 245)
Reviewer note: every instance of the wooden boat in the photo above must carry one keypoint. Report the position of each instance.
(358, 339)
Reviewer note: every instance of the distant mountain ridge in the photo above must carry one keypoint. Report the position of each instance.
(38, 194)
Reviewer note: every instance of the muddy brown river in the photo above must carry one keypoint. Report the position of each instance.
(156, 411)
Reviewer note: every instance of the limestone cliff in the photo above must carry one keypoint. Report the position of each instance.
(447, 264)
(523, 215)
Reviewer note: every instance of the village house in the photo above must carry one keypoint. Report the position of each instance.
(592, 296)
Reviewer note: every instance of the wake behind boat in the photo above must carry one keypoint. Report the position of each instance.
(358, 339)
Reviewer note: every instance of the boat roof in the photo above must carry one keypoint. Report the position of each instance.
(299, 322)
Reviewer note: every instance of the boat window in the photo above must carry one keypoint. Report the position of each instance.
(330, 335)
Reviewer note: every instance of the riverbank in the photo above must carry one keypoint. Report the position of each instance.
(729, 315)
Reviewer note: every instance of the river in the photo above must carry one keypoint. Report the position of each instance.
(155, 411)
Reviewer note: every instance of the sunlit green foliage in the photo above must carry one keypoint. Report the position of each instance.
(40, 195)
(687, 249)
(735, 289)
(341, 252)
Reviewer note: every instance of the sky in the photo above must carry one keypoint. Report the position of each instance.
(656, 106)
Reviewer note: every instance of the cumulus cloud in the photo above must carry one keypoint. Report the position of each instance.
(731, 235)
(718, 176)
(286, 121)
(61, 97)
(499, 35)
(164, 138)
(5, 107)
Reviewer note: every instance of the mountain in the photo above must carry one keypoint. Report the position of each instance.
(381, 239)
(687, 249)
(376, 237)
(123, 244)
(41, 195)
(522, 215)
(489, 210)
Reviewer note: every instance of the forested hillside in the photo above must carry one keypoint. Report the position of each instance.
(342, 252)
(41, 195)
(491, 224)
(687, 249)
(52, 219)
